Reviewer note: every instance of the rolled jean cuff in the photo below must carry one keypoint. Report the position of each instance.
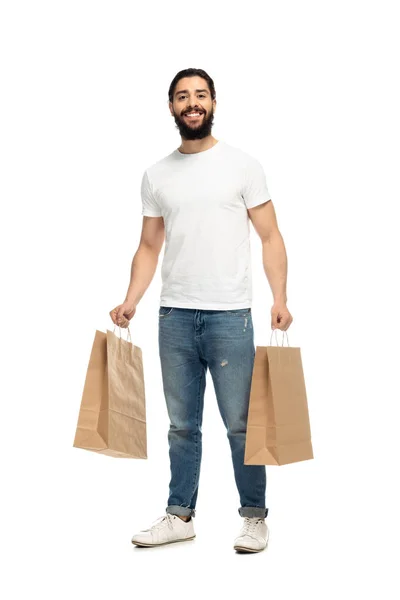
(181, 511)
(253, 511)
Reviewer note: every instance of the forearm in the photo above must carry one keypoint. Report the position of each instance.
(144, 265)
(275, 265)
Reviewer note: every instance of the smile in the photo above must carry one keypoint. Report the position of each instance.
(193, 115)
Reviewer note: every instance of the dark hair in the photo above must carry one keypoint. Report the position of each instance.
(191, 73)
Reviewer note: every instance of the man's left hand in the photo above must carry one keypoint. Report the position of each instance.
(280, 316)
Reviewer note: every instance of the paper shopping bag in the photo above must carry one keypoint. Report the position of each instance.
(112, 416)
(278, 426)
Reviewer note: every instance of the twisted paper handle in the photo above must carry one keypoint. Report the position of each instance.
(283, 337)
(129, 333)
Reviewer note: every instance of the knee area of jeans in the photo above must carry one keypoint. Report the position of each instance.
(184, 430)
(239, 430)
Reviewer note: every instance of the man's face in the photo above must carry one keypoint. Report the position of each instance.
(192, 95)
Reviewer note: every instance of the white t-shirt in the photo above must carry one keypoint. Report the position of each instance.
(203, 198)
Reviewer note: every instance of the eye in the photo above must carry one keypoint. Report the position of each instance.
(180, 97)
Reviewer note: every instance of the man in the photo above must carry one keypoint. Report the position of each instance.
(199, 199)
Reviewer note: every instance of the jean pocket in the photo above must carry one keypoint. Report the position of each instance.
(240, 312)
(164, 311)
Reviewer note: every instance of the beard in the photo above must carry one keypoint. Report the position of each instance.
(195, 132)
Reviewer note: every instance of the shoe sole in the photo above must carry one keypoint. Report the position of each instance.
(244, 549)
(162, 544)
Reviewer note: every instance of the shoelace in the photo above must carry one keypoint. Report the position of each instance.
(162, 522)
(250, 524)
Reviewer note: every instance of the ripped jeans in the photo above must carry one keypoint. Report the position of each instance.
(190, 342)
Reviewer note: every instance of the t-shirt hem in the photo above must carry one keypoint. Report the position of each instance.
(148, 213)
(257, 202)
(204, 305)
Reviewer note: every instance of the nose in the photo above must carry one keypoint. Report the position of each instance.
(196, 107)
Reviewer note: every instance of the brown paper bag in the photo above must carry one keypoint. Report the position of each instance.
(112, 416)
(278, 426)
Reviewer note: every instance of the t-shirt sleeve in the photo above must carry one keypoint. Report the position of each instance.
(150, 207)
(255, 190)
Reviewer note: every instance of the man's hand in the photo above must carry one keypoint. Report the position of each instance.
(280, 316)
(122, 314)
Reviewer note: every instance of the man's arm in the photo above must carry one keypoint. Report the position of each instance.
(264, 221)
(274, 255)
(145, 261)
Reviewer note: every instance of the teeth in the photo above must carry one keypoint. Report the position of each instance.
(192, 114)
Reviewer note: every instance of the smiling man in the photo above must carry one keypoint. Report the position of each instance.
(199, 200)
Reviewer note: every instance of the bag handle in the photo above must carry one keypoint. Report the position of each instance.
(128, 335)
(283, 337)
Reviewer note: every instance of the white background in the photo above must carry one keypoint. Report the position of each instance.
(311, 90)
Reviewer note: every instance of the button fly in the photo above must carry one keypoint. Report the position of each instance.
(199, 322)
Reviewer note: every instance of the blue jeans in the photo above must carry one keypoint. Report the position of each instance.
(191, 341)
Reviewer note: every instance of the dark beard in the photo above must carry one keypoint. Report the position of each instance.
(188, 132)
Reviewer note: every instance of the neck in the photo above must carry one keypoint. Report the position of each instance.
(193, 146)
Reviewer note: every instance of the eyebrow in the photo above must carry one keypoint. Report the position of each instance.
(187, 91)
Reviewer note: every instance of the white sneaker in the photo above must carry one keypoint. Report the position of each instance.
(166, 530)
(253, 536)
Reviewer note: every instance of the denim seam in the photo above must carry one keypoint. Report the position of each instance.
(197, 435)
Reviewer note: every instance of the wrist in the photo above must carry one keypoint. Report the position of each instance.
(281, 299)
(131, 300)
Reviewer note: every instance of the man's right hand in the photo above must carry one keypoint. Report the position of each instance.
(122, 314)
